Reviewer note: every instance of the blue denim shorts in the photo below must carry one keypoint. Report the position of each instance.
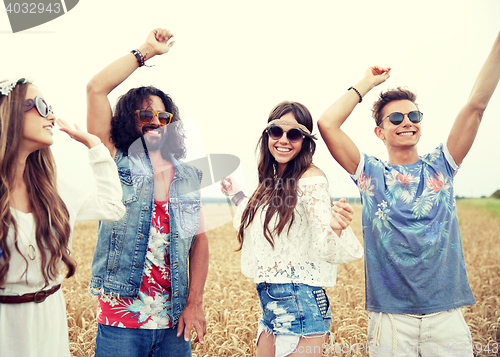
(294, 309)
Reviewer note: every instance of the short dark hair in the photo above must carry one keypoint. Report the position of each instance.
(124, 122)
(388, 96)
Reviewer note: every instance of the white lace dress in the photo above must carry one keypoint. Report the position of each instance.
(308, 253)
(41, 329)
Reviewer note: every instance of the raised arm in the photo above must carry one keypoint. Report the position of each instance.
(99, 112)
(340, 145)
(466, 124)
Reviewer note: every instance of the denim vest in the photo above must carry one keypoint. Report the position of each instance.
(120, 253)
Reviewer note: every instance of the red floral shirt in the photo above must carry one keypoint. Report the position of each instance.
(152, 309)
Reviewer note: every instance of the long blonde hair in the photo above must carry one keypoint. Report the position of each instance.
(49, 211)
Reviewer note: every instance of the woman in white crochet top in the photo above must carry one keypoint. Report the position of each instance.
(289, 237)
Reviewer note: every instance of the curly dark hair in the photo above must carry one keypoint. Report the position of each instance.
(124, 122)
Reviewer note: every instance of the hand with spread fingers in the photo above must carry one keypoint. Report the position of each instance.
(75, 133)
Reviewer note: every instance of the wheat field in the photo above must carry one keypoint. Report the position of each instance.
(231, 303)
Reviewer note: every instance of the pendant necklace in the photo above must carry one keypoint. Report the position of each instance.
(31, 249)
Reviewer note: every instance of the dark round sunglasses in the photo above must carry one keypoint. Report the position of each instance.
(146, 116)
(40, 104)
(397, 118)
(293, 135)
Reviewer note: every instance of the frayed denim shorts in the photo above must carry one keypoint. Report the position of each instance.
(294, 309)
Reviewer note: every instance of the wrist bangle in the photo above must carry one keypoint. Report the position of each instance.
(237, 197)
(359, 94)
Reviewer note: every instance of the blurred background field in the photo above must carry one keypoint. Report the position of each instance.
(231, 303)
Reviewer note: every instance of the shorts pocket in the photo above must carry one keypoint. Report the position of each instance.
(280, 292)
(323, 302)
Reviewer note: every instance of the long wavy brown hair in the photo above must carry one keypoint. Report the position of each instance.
(278, 194)
(49, 211)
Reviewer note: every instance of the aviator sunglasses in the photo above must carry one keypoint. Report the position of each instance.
(40, 104)
(397, 118)
(293, 135)
(146, 116)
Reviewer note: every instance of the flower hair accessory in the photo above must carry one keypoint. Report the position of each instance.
(7, 86)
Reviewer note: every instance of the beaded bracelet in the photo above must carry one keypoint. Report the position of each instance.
(359, 94)
(140, 58)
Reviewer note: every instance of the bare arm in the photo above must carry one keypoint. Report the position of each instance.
(193, 315)
(342, 148)
(466, 124)
(98, 107)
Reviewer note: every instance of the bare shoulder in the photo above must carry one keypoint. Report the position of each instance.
(311, 172)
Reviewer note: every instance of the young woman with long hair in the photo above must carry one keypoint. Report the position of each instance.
(289, 238)
(38, 213)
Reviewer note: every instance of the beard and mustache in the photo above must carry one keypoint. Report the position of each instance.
(154, 142)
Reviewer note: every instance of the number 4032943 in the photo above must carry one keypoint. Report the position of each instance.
(32, 8)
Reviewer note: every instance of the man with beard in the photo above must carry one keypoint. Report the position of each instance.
(150, 267)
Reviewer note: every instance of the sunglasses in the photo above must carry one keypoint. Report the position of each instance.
(397, 118)
(293, 135)
(41, 106)
(146, 116)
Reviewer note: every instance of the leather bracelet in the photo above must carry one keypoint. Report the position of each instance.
(359, 94)
(138, 55)
(237, 197)
(140, 58)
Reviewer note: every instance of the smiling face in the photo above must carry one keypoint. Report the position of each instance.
(37, 130)
(155, 135)
(282, 149)
(405, 135)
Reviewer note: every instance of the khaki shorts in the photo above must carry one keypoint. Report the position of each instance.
(440, 334)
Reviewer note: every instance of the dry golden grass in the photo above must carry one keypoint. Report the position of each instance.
(231, 302)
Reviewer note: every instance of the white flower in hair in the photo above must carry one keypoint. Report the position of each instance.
(7, 86)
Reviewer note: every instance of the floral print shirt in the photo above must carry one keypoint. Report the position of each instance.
(413, 250)
(152, 309)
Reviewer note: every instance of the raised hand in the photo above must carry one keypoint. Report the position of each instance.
(377, 74)
(75, 133)
(160, 41)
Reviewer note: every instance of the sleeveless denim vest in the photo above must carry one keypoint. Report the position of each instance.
(120, 252)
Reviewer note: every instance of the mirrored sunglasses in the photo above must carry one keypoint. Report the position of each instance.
(397, 118)
(275, 132)
(40, 104)
(146, 116)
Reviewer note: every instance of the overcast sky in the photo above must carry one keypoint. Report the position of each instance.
(233, 61)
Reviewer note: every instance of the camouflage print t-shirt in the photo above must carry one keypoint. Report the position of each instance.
(413, 251)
